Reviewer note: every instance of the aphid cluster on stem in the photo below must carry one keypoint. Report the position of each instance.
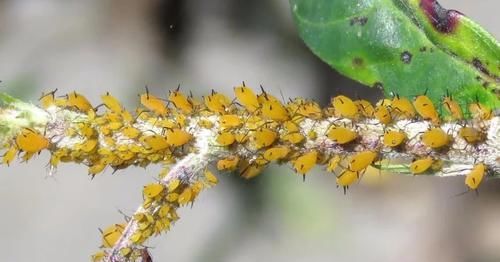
(246, 134)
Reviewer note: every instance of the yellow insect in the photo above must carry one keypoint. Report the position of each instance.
(79, 102)
(210, 178)
(475, 176)
(333, 163)
(96, 169)
(228, 163)
(402, 108)
(453, 108)
(111, 103)
(362, 160)
(155, 142)
(152, 190)
(422, 165)
(346, 179)
(480, 111)
(310, 109)
(111, 235)
(293, 138)
(31, 141)
(177, 137)
(435, 138)
(48, 100)
(98, 256)
(225, 139)
(342, 135)
(217, 102)
(394, 138)
(365, 108)
(230, 121)
(154, 104)
(305, 162)
(264, 137)
(425, 108)
(276, 153)
(345, 107)
(274, 110)
(180, 101)
(9, 156)
(471, 135)
(185, 197)
(247, 98)
(249, 171)
(383, 114)
(131, 132)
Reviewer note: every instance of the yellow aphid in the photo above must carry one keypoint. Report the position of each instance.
(210, 178)
(274, 110)
(228, 163)
(206, 123)
(291, 126)
(453, 108)
(177, 137)
(230, 121)
(153, 190)
(402, 108)
(127, 117)
(383, 114)
(163, 211)
(217, 102)
(435, 138)
(471, 135)
(249, 171)
(115, 125)
(293, 138)
(137, 238)
(111, 103)
(345, 107)
(154, 104)
(347, 178)
(172, 197)
(241, 137)
(78, 101)
(125, 252)
(394, 138)
(479, 111)
(185, 197)
(313, 135)
(264, 137)
(362, 160)
(310, 109)
(180, 101)
(131, 132)
(276, 153)
(155, 142)
(420, 166)
(89, 145)
(111, 235)
(31, 141)
(126, 155)
(9, 155)
(341, 135)
(247, 98)
(96, 169)
(475, 176)
(264, 96)
(333, 163)
(48, 100)
(365, 108)
(87, 130)
(425, 108)
(98, 256)
(305, 162)
(225, 139)
(173, 185)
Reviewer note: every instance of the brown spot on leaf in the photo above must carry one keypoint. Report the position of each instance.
(361, 20)
(357, 61)
(406, 57)
(443, 20)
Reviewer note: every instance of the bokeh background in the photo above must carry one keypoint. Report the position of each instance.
(95, 46)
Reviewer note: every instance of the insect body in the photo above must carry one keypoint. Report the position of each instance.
(420, 166)
(247, 98)
(362, 160)
(305, 162)
(342, 135)
(394, 138)
(347, 178)
(31, 141)
(425, 108)
(435, 138)
(345, 107)
(475, 176)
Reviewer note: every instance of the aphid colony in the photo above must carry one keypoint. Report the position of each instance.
(255, 130)
(269, 130)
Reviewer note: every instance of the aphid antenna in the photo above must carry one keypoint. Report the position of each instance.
(264, 92)
(49, 93)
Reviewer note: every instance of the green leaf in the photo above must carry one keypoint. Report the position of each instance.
(403, 46)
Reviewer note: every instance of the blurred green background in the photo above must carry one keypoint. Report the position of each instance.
(96, 46)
